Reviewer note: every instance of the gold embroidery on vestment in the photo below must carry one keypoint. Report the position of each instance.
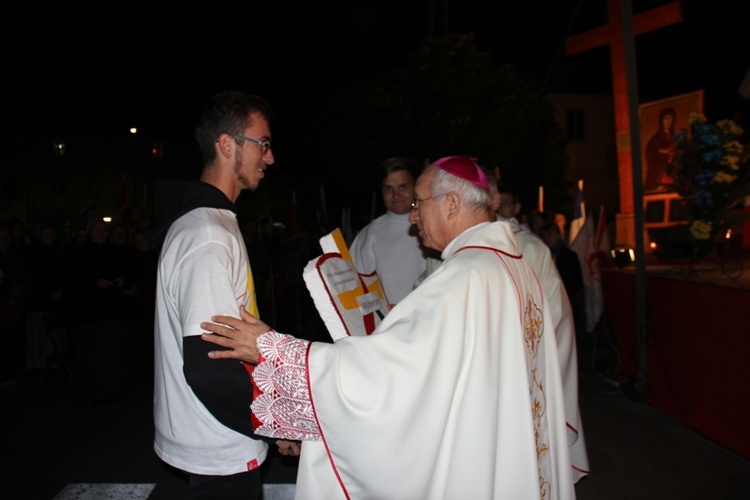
(533, 325)
(533, 322)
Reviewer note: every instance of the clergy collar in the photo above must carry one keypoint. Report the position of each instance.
(449, 247)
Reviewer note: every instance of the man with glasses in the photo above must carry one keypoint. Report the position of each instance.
(389, 244)
(457, 393)
(201, 408)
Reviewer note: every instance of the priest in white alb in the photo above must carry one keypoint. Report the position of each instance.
(507, 204)
(457, 393)
(389, 244)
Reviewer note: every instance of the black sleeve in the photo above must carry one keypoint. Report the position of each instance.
(222, 385)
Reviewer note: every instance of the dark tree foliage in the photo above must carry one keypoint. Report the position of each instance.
(448, 98)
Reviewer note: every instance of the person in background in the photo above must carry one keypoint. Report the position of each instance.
(389, 244)
(14, 291)
(47, 282)
(569, 267)
(80, 237)
(145, 261)
(561, 221)
(48, 270)
(123, 255)
(19, 237)
(536, 221)
(506, 200)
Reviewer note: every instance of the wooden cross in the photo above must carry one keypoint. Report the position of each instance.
(612, 34)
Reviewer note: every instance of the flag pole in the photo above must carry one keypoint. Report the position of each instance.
(540, 200)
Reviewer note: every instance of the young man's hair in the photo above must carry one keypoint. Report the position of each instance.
(227, 113)
(395, 164)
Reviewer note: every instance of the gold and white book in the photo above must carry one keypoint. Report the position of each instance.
(349, 303)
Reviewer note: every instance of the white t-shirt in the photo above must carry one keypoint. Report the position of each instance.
(203, 271)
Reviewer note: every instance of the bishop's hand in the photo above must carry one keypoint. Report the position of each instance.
(238, 335)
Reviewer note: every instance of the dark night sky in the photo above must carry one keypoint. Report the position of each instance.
(104, 66)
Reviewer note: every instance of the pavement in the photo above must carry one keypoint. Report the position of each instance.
(59, 443)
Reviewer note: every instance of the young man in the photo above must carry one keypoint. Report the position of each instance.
(202, 408)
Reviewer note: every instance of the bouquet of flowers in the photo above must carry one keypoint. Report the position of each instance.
(711, 174)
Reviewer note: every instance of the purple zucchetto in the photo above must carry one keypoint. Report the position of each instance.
(465, 168)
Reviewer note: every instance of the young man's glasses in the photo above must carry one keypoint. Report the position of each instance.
(263, 144)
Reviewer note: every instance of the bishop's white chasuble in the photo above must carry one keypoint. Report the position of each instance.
(457, 393)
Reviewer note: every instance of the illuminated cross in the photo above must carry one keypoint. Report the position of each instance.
(612, 34)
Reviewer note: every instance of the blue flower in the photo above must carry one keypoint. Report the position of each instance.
(704, 199)
(709, 156)
(704, 177)
(711, 140)
(707, 168)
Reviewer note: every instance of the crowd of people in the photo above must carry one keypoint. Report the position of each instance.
(81, 298)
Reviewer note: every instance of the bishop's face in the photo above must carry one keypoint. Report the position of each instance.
(428, 213)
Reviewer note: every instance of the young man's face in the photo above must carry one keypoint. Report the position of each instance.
(251, 159)
(398, 192)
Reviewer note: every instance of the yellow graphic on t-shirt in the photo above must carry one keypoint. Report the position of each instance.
(252, 303)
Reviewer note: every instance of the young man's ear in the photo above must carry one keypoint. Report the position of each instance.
(226, 144)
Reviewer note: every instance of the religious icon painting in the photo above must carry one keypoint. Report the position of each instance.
(660, 121)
